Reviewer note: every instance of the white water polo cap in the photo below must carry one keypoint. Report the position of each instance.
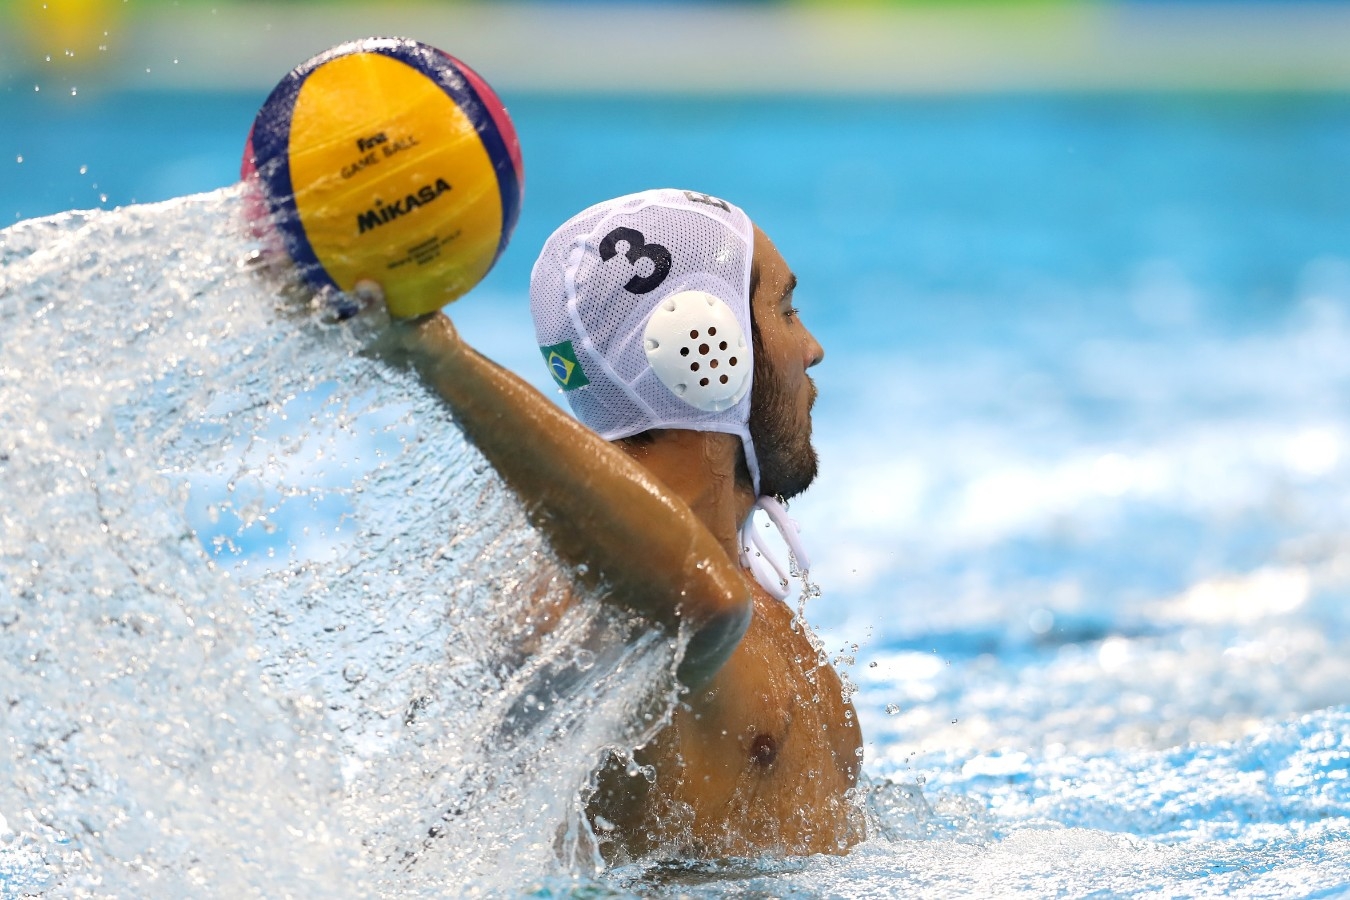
(642, 309)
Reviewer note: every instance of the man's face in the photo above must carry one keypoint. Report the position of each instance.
(782, 395)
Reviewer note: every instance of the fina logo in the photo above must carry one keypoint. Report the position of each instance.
(382, 212)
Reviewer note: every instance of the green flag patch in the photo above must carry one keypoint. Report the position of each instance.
(562, 363)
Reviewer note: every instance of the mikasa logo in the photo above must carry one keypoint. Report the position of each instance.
(385, 212)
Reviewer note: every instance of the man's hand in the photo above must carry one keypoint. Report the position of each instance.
(366, 294)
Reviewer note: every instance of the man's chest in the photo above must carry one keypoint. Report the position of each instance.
(777, 708)
(759, 760)
(764, 756)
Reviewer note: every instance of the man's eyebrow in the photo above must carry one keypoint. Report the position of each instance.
(788, 288)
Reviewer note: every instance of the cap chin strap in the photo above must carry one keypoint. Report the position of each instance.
(755, 555)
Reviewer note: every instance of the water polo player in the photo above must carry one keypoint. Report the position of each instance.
(667, 318)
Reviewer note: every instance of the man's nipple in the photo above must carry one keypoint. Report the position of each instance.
(763, 750)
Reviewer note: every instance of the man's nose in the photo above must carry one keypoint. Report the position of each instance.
(814, 352)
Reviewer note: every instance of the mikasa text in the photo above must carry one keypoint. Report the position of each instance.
(385, 212)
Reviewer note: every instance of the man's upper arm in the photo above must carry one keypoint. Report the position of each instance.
(620, 529)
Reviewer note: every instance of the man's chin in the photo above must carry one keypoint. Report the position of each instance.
(791, 480)
(787, 460)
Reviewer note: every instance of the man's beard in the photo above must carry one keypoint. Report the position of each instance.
(787, 461)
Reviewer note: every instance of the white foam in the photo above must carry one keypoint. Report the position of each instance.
(335, 704)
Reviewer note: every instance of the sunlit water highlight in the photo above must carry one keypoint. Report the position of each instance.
(261, 634)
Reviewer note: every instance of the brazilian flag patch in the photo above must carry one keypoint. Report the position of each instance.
(562, 362)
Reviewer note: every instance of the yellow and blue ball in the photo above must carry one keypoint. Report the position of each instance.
(391, 161)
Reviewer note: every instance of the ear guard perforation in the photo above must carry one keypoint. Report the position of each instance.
(697, 349)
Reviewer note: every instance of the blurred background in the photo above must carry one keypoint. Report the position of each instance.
(90, 65)
(1082, 271)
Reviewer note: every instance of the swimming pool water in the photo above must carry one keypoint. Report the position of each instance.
(1083, 429)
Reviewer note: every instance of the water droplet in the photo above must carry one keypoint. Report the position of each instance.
(20, 159)
(72, 92)
(354, 673)
(37, 87)
(892, 709)
(584, 659)
(954, 721)
(102, 198)
(872, 664)
(84, 170)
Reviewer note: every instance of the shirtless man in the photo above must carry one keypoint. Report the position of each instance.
(668, 320)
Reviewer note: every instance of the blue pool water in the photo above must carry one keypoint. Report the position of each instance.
(1083, 423)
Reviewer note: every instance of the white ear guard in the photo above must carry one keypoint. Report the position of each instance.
(697, 349)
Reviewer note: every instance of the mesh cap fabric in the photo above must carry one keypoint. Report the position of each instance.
(594, 291)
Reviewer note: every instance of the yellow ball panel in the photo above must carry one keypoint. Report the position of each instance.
(392, 182)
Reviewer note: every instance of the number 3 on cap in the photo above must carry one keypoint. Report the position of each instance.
(638, 248)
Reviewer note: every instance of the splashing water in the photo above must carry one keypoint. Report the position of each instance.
(268, 626)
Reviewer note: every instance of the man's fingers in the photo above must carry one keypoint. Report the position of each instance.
(368, 292)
